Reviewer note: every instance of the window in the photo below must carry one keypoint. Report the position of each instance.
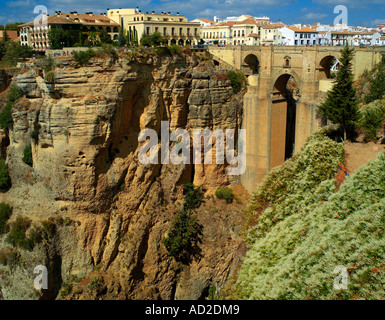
(188, 31)
(180, 32)
(148, 31)
(164, 31)
(156, 29)
(195, 31)
(173, 31)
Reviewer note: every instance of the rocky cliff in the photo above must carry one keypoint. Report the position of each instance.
(108, 212)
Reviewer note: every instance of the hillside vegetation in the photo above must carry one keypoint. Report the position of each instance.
(307, 225)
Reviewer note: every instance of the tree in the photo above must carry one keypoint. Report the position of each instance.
(121, 38)
(59, 37)
(155, 40)
(182, 241)
(104, 37)
(341, 105)
(5, 36)
(377, 84)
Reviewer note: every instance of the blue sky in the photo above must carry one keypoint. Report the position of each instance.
(360, 12)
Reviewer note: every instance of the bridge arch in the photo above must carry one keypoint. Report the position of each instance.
(284, 96)
(252, 62)
(326, 61)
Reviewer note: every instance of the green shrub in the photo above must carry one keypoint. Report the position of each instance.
(15, 94)
(372, 117)
(175, 50)
(49, 77)
(48, 64)
(163, 50)
(66, 289)
(237, 79)
(183, 237)
(5, 213)
(17, 236)
(95, 283)
(225, 193)
(83, 57)
(327, 227)
(193, 196)
(9, 257)
(27, 155)
(6, 120)
(36, 129)
(5, 179)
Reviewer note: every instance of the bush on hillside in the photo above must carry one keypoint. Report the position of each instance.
(27, 155)
(225, 193)
(285, 186)
(372, 117)
(5, 179)
(237, 80)
(296, 258)
(183, 238)
(5, 214)
(307, 226)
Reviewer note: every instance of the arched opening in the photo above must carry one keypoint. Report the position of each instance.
(180, 42)
(252, 62)
(188, 42)
(328, 67)
(283, 119)
(173, 41)
(116, 29)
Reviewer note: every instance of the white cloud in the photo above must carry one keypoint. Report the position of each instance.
(315, 16)
(376, 22)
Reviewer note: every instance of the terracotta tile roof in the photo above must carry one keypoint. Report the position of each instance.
(222, 24)
(303, 29)
(12, 34)
(205, 20)
(247, 21)
(70, 18)
(254, 35)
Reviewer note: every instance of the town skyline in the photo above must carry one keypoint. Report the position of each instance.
(367, 14)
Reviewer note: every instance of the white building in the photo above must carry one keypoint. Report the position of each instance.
(204, 22)
(299, 35)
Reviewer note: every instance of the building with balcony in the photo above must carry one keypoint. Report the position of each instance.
(174, 27)
(243, 30)
(37, 36)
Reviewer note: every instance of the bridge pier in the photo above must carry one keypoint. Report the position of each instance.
(278, 119)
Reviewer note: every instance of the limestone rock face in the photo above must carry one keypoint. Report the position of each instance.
(86, 172)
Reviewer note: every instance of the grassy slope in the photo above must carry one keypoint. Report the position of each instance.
(306, 232)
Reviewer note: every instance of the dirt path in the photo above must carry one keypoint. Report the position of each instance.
(358, 154)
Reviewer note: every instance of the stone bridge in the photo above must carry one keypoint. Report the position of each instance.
(285, 86)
